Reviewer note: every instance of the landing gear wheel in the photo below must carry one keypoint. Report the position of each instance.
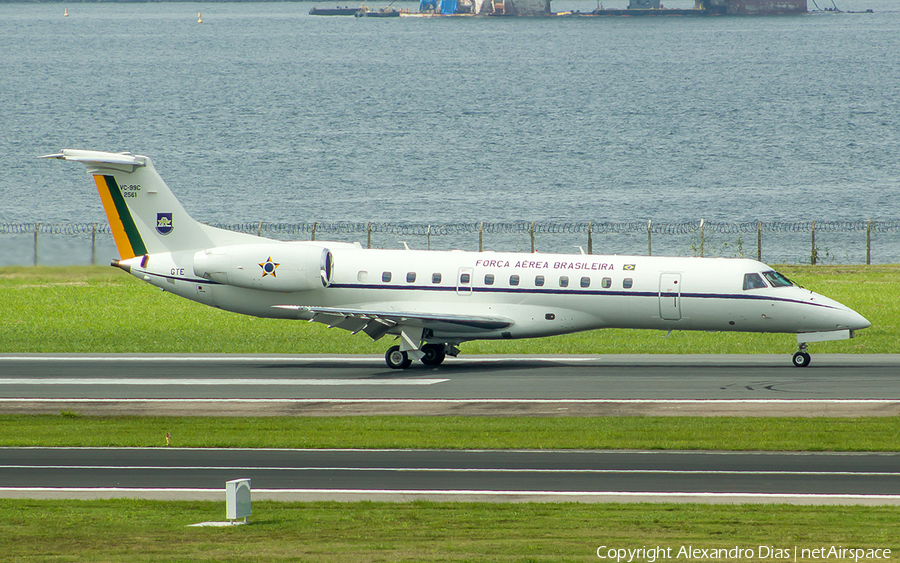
(396, 359)
(434, 354)
(801, 359)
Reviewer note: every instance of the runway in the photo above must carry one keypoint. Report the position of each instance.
(705, 385)
(485, 385)
(404, 475)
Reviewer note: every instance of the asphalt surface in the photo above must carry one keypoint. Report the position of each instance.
(586, 476)
(489, 385)
(754, 385)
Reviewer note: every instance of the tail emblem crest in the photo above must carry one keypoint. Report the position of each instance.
(164, 223)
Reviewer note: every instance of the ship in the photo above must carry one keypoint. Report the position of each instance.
(655, 8)
(754, 7)
(337, 11)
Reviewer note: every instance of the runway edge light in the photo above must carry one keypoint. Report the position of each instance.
(237, 499)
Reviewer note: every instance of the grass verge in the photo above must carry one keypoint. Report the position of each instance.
(136, 530)
(104, 310)
(410, 432)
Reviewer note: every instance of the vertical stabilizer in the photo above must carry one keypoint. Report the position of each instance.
(144, 215)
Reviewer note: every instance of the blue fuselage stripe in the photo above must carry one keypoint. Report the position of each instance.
(465, 290)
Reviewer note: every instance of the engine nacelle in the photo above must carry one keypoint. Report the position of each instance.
(282, 267)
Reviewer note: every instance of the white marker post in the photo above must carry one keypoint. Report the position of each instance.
(237, 500)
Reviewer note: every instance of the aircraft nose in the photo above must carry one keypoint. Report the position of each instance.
(849, 318)
(841, 315)
(856, 321)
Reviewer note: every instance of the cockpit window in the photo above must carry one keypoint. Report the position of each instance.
(753, 281)
(776, 279)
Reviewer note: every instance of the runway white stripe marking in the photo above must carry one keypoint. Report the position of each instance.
(363, 359)
(192, 358)
(271, 359)
(771, 497)
(218, 382)
(470, 401)
(459, 470)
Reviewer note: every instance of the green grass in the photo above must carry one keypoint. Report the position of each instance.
(139, 531)
(402, 432)
(104, 310)
(82, 309)
(58, 310)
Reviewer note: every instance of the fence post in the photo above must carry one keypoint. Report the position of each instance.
(649, 238)
(480, 235)
(428, 237)
(813, 255)
(759, 241)
(369, 234)
(531, 234)
(869, 243)
(701, 237)
(590, 239)
(37, 227)
(94, 245)
(259, 229)
(315, 225)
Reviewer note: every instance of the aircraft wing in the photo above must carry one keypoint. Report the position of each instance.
(377, 323)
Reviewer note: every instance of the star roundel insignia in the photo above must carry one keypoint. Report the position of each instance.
(269, 267)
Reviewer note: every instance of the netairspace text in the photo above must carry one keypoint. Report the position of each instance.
(762, 552)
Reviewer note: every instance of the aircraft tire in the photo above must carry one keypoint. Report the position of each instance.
(434, 354)
(801, 359)
(396, 359)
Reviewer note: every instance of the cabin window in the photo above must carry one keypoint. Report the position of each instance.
(362, 276)
(563, 281)
(464, 278)
(627, 283)
(514, 279)
(436, 277)
(386, 277)
(776, 279)
(585, 282)
(539, 281)
(753, 281)
(489, 279)
(411, 277)
(606, 283)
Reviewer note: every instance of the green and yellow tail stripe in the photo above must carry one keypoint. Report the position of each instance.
(125, 232)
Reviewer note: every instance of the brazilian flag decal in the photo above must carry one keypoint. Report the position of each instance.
(125, 232)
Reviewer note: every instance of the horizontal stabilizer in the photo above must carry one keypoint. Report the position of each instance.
(120, 159)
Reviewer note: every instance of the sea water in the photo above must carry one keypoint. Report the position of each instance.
(265, 113)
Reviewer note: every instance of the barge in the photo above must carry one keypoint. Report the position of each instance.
(345, 11)
(655, 8)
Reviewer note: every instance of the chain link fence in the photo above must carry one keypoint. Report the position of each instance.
(802, 242)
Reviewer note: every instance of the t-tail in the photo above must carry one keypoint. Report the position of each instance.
(143, 214)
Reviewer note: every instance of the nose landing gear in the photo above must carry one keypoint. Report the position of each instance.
(801, 357)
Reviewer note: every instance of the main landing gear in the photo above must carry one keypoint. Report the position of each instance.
(801, 357)
(430, 355)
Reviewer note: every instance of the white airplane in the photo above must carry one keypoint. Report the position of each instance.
(435, 300)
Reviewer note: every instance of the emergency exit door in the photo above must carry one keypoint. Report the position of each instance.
(670, 296)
